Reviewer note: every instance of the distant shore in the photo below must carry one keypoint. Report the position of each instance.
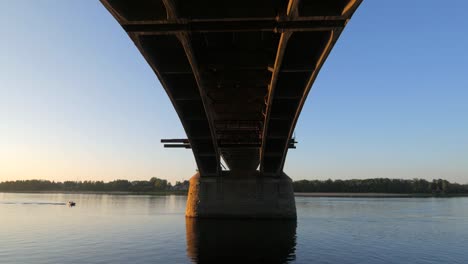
(297, 194)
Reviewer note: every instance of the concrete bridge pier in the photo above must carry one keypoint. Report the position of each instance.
(241, 195)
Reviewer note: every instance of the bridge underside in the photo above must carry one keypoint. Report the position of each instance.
(237, 72)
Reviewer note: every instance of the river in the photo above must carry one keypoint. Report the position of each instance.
(40, 228)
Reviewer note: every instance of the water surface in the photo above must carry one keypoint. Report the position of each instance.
(40, 228)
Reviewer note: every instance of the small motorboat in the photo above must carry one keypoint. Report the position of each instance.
(71, 203)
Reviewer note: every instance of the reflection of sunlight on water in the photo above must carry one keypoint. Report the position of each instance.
(240, 241)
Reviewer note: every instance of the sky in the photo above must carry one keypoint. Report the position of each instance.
(79, 102)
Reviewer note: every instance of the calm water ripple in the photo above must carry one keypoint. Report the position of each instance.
(40, 228)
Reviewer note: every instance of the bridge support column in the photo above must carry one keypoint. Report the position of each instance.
(241, 196)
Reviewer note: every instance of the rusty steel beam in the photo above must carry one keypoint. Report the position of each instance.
(348, 11)
(185, 41)
(291, 12)
(164, 84)
(187, 146)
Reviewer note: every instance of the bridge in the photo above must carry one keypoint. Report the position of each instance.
(238, 74)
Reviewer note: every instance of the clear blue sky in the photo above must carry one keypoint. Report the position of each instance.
(78, 101)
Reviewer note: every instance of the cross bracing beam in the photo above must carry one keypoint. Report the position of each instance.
(187, 26)
(184, 143)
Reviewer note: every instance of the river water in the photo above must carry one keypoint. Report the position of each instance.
(40, 228)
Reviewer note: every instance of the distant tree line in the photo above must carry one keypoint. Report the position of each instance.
(377, 185)
(153, 185)
(381, 185)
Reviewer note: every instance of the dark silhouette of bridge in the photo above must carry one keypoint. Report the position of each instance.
(237, 73)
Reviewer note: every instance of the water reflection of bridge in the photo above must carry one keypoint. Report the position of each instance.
(238, 73)
(237, 241)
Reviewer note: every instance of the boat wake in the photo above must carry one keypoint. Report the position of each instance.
(33, 203)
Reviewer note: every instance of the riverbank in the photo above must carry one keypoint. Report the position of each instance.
(376, 195)
(376, 187)
(104, 192)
